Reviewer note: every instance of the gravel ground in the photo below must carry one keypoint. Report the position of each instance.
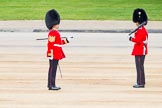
(98, 72)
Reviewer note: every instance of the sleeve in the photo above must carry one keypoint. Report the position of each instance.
(51, 41)
(51, 37)
(138, 38)
(64, 41)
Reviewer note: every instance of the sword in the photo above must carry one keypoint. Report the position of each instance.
(144, 23)
(47, 38)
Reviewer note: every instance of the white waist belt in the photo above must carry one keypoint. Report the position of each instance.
(58, 45)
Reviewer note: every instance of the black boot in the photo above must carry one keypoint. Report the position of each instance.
(54, 88)
(138, 86)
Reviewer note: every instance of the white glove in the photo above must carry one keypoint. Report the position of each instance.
(50, 58)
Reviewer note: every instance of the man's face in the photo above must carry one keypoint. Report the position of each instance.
(137, 24)
(57, 26)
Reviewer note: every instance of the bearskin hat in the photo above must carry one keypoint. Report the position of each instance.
(140, 16)
(52, 18)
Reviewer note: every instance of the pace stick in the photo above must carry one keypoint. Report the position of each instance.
(60, 70)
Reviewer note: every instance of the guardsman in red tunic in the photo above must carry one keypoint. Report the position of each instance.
(140, 49)
(54, 51)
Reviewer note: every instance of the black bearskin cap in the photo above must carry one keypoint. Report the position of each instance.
(52, 18)
(140, 16)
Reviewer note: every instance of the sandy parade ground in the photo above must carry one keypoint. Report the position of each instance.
(98, 72)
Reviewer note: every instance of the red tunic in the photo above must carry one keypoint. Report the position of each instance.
(54, 50)
(140, 42)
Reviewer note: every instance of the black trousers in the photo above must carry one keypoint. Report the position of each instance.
(52, 73)
(139, 60)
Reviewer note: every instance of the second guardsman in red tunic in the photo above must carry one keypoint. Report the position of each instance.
(140, 49)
